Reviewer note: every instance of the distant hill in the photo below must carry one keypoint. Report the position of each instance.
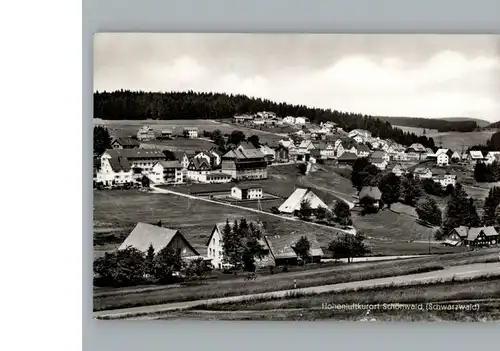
(480, 122)
(440, 124)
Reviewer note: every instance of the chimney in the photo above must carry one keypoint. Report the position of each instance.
(159, 224)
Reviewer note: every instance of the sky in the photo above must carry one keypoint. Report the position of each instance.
(382, 75)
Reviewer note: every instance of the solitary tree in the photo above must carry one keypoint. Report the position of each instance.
(302, 248)
(390, 186)
(145, 181)
(236, 137)
(150, 256)
(410, 190)
(123, 267)
(348, 246)
(305, 210)
(342, 210)
(369, 204)
(254, 140)
(497, 215)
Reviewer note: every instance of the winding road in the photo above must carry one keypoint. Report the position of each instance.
(457, 272)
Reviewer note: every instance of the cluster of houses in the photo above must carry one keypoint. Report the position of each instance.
(473, 236)
(280, 248)
(147, 133)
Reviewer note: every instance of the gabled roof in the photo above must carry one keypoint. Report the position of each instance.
(476, 154)
(246, 145)
(248, 186)
(179, 155)
(266, 150)
(144, 235)
(135, 153)
(377, 160)
(282, 246)
(215, 151)
(475, 231)
(363, 148)
(371, 191)
(199, 164)
(461, 231)
(377, 154)
(292, 203)
(127, 141)
(348, 156)
(119, 164)
(243, 153)
(442, 151)
(220, 227)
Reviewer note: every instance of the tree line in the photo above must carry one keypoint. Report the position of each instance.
(138, 105)
(440, 125)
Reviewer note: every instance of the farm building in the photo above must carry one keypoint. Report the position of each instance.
(293, 203)
(246, 192)
(363, 150)
(475, 156)
(198, 169)
(184, 158)
(399, 170)
(145, 234)
(301, 120)
(347, 159)
(281, 153)
(124, 143)
(269, 153)
(282, 248)
(245, 162)
(472, 236)
(119, 165)
(492, 156)
(166, 133)
(167, 172)
(215, 251)
(191, 132)
(145, 133)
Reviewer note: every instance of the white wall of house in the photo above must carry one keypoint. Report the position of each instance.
(443, 160)
(106, 174)
(215, 250)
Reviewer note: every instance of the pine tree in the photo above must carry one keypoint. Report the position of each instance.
(428, 211)
(490, 204)
(150, 256)
(472, 216)
(410, 190)
(457, 210)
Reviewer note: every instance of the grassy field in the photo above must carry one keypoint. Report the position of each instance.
(182, 144)
(332, 274)
(453, 140)
(385, 304)
(124, 128)
(116, 212)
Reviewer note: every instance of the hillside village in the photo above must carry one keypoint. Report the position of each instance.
(229, 172)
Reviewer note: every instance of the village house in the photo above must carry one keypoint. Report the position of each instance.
(269, 153)
(289, 120)
(293, 203)
(358, 139)
(167, 172)
(120, 165)
(445, 179)
(362, 150)
(326, 149)
(266, 115)
(198, 169)
(145, 133)
(399, 170)
(191, 132)
(422, 173)
(216, 157)
(124, 143)
(373, 192)
(245, 162)
(455, 157)
(344, 147)
(215, 248)
(184, 158)
(259, 122)
(347, 159)
(443, 157)
(205, 156)
(378, 162)
(242, 118)
(287, 143)
(166, 134)
(246, 192)
(475, 156)
(363, 133)
(381, 154)
(144, 235)
(472, 236)
(281, 153)
(218, 177)
(282, 248)
(301, 120)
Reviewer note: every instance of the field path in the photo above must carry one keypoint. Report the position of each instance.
(460, 272)
(165, 191)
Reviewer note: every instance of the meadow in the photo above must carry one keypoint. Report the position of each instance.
(317, 276)
(453, 140)
(124, 128)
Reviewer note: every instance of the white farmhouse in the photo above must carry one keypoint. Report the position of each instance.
(293, 203)
(167, 172)
(443, 157)
(289, 120)
(246, 192)
(192, 132)
(445, 179)
(301, 120)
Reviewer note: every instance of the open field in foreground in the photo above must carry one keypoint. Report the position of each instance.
(333, 274)
(469, 300)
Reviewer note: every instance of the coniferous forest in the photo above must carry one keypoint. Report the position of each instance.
(137, 105)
